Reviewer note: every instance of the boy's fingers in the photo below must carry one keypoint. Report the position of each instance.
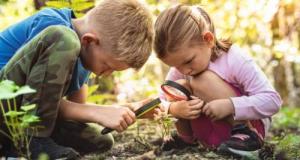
(157, 111)
(162, 108)
(119, 129)
(128, 120)
(131, 114)
(124, 125)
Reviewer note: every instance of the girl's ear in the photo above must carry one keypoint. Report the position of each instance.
(88, 38)
(209, 38)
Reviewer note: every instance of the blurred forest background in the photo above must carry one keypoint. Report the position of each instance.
(268, 29)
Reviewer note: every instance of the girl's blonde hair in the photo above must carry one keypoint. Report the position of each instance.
(182, 25)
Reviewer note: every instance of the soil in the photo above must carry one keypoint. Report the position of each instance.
(142, 142)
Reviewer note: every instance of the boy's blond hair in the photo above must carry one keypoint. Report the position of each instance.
(126, 29)
(182, 25)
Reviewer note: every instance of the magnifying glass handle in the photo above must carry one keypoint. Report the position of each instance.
(106, 131)
(141, 111)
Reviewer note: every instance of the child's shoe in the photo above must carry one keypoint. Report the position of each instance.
(243, 142)
(175, 142)
(46, 145)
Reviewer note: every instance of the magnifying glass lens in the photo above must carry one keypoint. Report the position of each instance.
(174, 93)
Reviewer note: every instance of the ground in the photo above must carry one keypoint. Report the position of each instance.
(137, 143)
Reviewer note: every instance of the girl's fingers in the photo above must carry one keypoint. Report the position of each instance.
(195, 113)
(206, 111)
(194, 117)
(194, 101)
(204, 108)
(198, 106)
(194, 97)
(214, 118)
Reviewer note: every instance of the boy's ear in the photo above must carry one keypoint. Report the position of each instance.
(209, 37)
(88, 38)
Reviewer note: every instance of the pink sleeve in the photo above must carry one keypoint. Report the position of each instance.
(262, 100)
(174, 74)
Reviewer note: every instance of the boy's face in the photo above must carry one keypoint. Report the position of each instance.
(99, 61)
(189, 60)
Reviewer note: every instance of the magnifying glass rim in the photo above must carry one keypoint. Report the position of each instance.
(178, 87)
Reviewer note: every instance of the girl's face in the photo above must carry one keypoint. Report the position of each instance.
(190, 60)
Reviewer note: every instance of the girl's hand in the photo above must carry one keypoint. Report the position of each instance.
(186, 109)
(218, 109)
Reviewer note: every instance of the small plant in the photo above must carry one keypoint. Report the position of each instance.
(165, 122)
(18, 122)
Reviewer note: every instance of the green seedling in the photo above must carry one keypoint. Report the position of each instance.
(17, 121)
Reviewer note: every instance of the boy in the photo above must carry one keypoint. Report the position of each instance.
(53, 53)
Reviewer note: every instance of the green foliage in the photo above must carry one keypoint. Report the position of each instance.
(165, 123)
(3, 1)
(286, 124)
(18, 123)
(78, 6)
(9, 90)
(287, 118)
(290, 144)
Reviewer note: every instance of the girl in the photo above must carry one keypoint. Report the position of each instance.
(239, 99)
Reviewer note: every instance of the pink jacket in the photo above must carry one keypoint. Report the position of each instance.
(236, 67)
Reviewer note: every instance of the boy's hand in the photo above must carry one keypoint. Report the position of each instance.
(187, 109)
(115, 117)
(218, 109)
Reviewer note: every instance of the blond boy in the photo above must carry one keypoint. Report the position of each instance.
(53, 52)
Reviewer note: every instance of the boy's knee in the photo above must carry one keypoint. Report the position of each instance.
(106, 143)
(97, 142)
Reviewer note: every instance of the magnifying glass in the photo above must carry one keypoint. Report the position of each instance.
(170, 88)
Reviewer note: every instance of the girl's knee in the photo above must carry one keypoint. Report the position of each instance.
(184, 83)
(210, 86)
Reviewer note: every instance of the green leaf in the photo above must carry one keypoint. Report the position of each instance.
(58, 4)
(13, 114)
(24, 90)
(30, 119)
(9, 90)
(28, 107)
(82, 6)
(92, 89)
